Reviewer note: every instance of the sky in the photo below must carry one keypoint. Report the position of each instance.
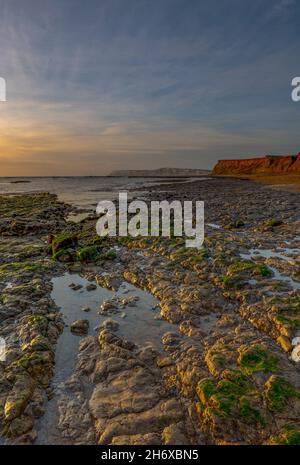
(99, 85)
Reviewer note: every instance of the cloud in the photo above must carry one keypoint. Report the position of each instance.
(117, 82)
(27, 145)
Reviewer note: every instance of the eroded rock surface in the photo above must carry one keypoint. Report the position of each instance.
(225, 372)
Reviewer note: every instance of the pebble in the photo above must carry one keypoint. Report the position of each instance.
(75, 287)
(110, 325)
(295, 341)
(91, 287)
(80, 327)
(295, 356)
(86, 309)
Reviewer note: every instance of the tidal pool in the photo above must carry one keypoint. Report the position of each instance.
(268, 253)
(139, 323)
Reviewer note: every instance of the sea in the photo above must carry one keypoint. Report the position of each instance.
(83, 192)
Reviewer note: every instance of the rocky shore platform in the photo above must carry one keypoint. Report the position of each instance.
(144, 341)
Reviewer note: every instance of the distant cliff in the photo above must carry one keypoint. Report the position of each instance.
(268, 164)
(163, 172)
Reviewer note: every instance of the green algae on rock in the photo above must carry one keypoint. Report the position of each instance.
(257, 358)
(279, 392)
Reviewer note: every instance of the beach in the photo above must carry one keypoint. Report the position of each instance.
(142, 340)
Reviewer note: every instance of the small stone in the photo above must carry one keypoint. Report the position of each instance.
(108, 305)
(123, 315)
(110, 325)
(295, 341)
(91, 287)
(296, 354)
(76, 287)
(80, 327)
(86, 309)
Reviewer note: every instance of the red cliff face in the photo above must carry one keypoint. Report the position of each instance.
(264, 165)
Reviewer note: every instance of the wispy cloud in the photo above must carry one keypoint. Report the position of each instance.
(118, 80)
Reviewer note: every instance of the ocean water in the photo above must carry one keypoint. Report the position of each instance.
(83, 192)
